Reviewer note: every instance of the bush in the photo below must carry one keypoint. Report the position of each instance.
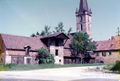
(44, 57)
(116, 67)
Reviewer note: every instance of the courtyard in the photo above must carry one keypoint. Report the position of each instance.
(61, 74)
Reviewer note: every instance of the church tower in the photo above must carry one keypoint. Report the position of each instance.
(83, 18)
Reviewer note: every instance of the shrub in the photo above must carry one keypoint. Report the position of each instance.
(44, 57)
(116, 67)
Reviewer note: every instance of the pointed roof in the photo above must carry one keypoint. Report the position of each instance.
(83, 5)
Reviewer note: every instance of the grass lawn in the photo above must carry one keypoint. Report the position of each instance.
(42, 66)
(3, 68)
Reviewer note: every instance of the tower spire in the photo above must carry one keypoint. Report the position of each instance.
(83, 18)
(83, 5)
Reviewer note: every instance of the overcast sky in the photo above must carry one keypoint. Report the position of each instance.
(24, 17)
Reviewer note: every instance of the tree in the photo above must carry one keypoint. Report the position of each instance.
(116, 67)
(33, 35)
(44, 57)
(42, 33)
(81, 44)
(47, 30)
(69, 31)
(37, 33)
(1, 56)
(59, 28)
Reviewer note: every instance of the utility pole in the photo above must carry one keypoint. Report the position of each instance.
(118, 32)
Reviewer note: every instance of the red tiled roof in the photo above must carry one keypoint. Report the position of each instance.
(111, 44)
(18, 42)
(69, 41)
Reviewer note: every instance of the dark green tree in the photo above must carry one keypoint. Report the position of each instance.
(59, 28)
(47, 30)
(81, 44)
(42, 33)
(116, 67)
(37, 33)
(33, 35)
(44, 57)
(69, 31)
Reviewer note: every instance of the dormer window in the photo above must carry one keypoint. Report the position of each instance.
(97, 54)
(27, 49)
(104, 54)
(110, 53)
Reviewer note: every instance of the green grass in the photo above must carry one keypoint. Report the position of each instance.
(45, 66)
(108, 67)
(3, 68)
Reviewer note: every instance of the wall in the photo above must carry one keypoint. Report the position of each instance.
(108, 59)
(19, 57)
(86, 22)
(58, 59)
(52, 48)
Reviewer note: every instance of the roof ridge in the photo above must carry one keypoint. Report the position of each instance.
(16, 35)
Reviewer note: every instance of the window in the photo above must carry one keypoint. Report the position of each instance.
(56, 52)
(104, 54)
(97, 54)
(110, 53)
(60, 60)
(28, 60)
(81, 27)
(27, 49)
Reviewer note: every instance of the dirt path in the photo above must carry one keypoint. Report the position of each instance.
(73, 73)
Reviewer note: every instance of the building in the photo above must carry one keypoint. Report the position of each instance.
(23, 50)
(83, 24)
(108, 51)
(83, 18)
(14, 49)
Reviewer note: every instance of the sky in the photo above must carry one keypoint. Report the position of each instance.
(24, 17)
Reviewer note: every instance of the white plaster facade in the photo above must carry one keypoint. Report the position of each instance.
(25, 59)
(7, 58)
(59, 58)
